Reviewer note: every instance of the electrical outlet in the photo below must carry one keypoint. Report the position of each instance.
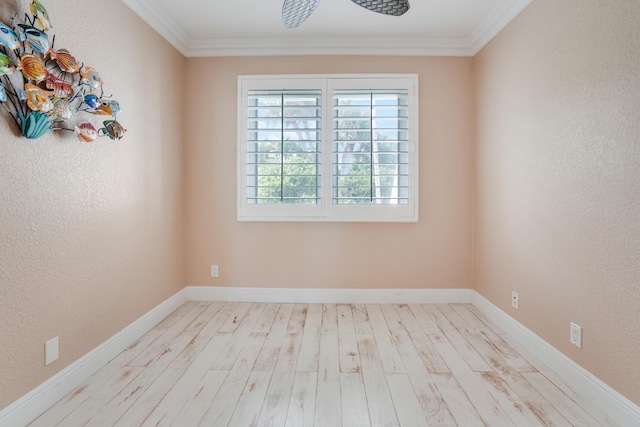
(515, 299)
(575, 335)
(50, 351)
(215, 271)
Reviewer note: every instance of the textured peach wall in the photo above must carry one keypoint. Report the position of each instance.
(91, 234)
(434, 253)
(558, 182)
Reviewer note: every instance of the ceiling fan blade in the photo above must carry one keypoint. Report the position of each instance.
(295, 12)
(386, 7)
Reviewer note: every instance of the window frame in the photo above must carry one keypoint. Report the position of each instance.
(326, 210)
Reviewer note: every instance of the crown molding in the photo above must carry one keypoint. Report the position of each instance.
(488, 27)
(328, 46)
(162, 22)
(494, 21)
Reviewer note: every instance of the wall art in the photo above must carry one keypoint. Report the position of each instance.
(44, 88)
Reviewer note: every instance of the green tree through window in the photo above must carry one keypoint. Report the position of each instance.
(284, 153)
(369, 147)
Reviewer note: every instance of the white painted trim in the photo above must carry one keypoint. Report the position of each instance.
(466, 45)
(612, 403)
(162, 22)
(329, 296)
(493, 22)
(325, 87)
(401, 46)
(33, 404)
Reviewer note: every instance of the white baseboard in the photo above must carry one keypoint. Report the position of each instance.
(33, 404)
(613, 404)
(329, 296)
(30, 406)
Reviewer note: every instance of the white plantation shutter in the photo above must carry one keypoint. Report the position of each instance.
(284, 140)
(327, 148)
(371, 147)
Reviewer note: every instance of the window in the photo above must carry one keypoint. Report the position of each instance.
(327, 148)
(283, 146)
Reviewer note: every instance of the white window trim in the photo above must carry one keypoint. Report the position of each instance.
(326, 211)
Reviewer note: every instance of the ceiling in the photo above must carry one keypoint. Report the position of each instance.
(254, 27)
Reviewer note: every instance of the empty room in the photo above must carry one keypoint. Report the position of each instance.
(323, 213)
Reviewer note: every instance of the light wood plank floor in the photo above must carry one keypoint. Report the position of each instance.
(325, 365)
